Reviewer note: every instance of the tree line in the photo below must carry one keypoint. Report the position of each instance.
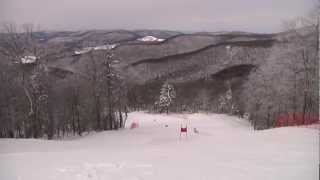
(34, 102)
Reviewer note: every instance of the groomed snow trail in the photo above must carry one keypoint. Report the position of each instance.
(226, 148)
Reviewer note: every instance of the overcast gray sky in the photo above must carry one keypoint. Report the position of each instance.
(189, 15)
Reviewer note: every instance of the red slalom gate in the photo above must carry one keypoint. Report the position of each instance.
(184, 130)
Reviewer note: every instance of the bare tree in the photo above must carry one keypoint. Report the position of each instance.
(305, 42)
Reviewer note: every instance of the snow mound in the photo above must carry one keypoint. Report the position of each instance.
(150, 39)
(28, 59)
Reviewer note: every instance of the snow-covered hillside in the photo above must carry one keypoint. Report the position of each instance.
(88, 49)
(150, 39)
(225, 148)
(28, 59)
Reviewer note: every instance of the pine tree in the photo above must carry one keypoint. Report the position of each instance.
(167, 96)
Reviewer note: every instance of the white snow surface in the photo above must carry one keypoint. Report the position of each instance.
(150, 39)
(88, 49)
(105, 47)
(225, 148)
(28, 59)
(83, 51)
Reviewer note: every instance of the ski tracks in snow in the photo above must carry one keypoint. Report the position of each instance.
(103, 171)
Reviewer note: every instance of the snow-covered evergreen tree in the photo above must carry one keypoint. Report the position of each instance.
(167, 96)
(222, 104)
(226, 104)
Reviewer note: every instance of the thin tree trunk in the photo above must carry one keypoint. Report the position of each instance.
(78, 121)
(51, 119)
(73, 119)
